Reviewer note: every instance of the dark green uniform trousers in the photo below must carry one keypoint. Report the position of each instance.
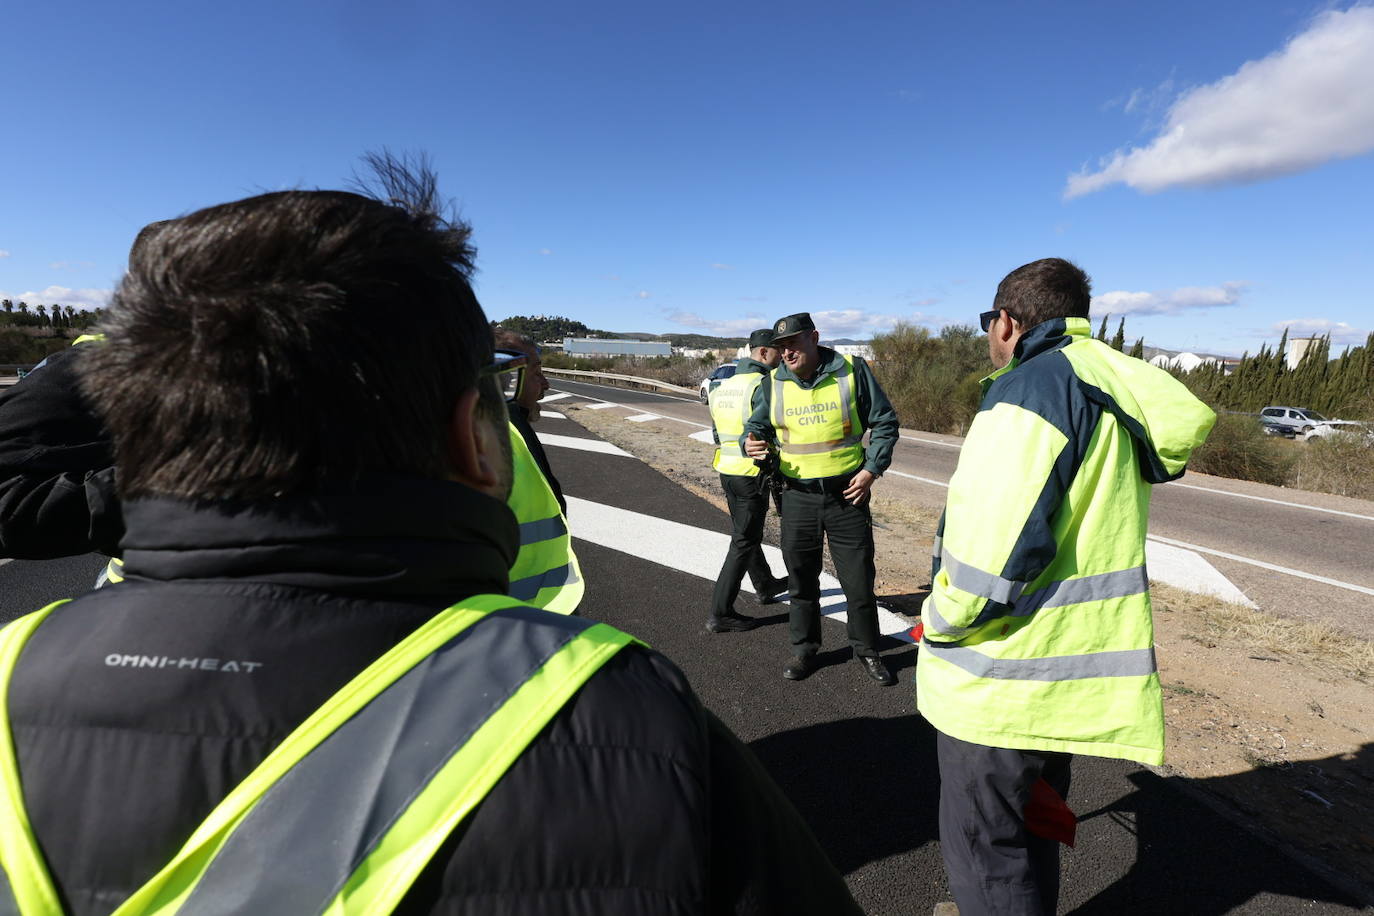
(814, 512)
(748, 502)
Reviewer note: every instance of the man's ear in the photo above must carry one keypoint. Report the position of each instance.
(1010, 329)
(473, 452)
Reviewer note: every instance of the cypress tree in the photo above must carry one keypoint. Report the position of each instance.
(1119, 338)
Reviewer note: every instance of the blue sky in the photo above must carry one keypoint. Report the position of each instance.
(712, 166)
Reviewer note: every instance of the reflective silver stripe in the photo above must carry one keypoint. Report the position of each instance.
(730, 449)
(817, 448)
(544, 529)
(779, 417)
(844, 378)
(979, 582)
(1123, 663)
(935, 547)
(298, 846)
(1119, 584)
(937, 623)
(525, 589)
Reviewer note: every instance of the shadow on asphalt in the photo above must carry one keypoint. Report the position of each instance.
(1188, 858)
(858, 817)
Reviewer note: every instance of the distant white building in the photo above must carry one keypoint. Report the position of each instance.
(609, 346)
(863, 350)
(1297, 348)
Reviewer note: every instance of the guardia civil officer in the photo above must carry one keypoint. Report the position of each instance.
(815, 410)
(746, 494)
(310, 692)
(1038, 640)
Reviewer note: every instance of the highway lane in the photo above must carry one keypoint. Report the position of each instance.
(854, 757)
(1323, 536)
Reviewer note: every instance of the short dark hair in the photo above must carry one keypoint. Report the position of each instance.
(258, 347)
(1045, 289)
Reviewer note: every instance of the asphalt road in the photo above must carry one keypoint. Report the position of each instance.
(854, 757)
(1308, 536)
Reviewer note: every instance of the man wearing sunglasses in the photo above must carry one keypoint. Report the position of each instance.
(1037, 633)
(311, 693)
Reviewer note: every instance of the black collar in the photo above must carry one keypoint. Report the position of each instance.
(384, 536)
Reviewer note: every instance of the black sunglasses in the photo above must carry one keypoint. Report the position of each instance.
(985, 319)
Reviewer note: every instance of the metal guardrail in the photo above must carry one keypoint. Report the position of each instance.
(622, 381)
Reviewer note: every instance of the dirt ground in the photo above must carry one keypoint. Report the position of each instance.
(1272, 720)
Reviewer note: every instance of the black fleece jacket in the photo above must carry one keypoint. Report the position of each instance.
(633, 800)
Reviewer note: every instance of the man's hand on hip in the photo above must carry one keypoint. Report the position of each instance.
(857, 491)
(755, 447)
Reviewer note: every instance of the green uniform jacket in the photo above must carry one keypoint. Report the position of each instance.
(1037, 630)
(875, 411)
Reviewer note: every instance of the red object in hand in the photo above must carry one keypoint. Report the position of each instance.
(1048, 816)
(917, 632)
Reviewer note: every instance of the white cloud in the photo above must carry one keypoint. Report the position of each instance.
(734, 327)
(722, 266)
(62, 295)
(1293, 110)
(643, 294)
(4, 254)
(1340, 331)
(1121, 302)
(546, 251)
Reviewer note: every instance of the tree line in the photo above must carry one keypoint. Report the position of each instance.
(1341, 387)
(29, 333)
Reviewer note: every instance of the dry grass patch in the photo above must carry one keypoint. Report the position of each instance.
(1216, 621)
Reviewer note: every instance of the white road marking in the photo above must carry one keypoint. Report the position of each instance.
(554, 397)
(1270, 566)
(954, 445)
(1186, 569)
(4, 560)
(643, 417)
(695, 551)
(703, 435)
(938, 483)
(552, 413)
(584, 445)
(602, 405)
(1266, 499)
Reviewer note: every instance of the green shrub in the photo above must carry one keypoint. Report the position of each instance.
(1238, 447)
(932, 380)
(1341, 464)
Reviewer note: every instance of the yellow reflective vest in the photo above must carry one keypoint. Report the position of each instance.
(546, 573)
(820, 433)
(291, 838)
(731, 403)
(1038, 632)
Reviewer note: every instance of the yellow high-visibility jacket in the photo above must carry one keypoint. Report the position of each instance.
(1038, 632)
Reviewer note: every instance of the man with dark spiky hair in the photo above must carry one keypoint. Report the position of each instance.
(310, 693)
(1038, 642)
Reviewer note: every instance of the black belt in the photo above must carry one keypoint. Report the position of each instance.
(837, 484)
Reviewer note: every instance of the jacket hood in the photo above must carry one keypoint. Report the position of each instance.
(1166, 419)
(383, 536)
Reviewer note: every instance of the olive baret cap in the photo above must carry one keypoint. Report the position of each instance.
(761, 338)
(792, 324)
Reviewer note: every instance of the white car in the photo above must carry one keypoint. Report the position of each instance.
(1341, 428)
(719, 375)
